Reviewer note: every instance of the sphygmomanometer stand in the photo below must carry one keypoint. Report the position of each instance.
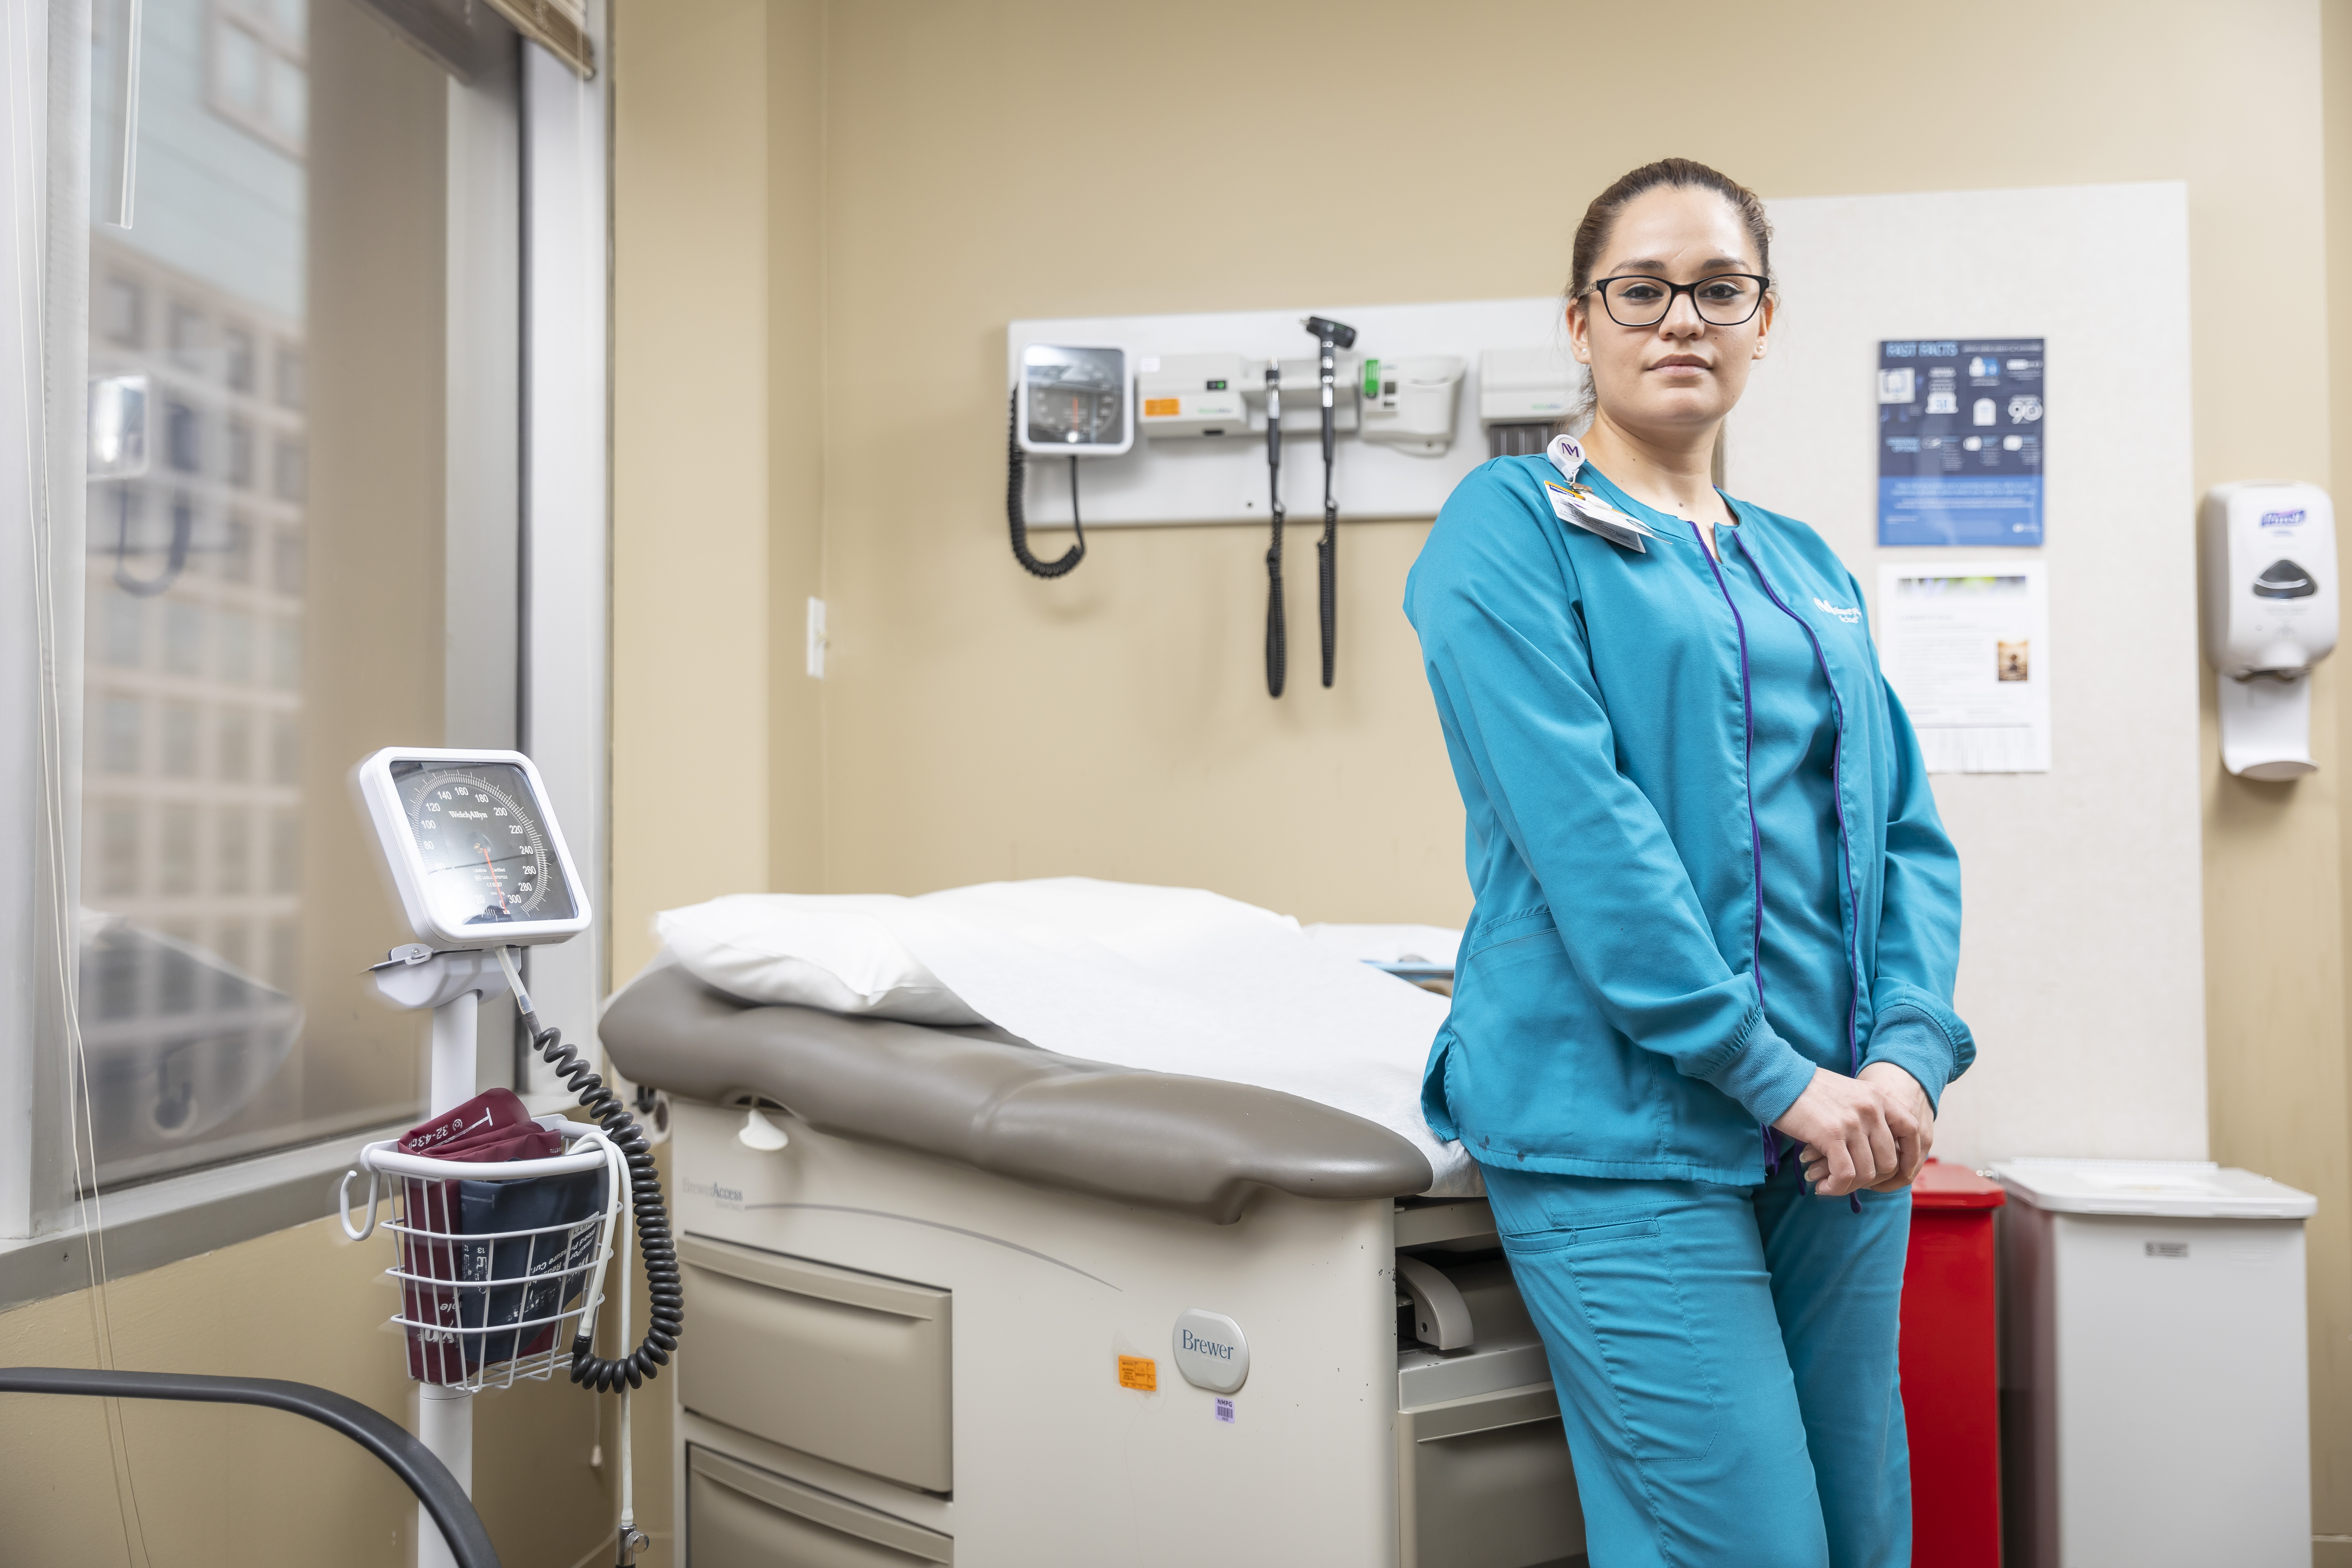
(477, 862)
(455, 986)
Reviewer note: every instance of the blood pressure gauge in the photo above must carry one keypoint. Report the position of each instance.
(1076, 401)
(472, 846)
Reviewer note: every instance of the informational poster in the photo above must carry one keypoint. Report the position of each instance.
(1961, 429)
(1967, 648)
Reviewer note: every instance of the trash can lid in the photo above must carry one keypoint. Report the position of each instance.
(2188, 1189)
(1939, 1185)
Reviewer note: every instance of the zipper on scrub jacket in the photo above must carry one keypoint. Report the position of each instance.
(1837, 798)
(1755, 836)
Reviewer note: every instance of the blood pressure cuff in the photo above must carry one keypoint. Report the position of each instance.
(550, 1269)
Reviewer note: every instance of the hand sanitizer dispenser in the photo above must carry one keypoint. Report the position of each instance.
(2269, 559)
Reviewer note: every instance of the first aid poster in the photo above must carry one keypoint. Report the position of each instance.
(1963, 425)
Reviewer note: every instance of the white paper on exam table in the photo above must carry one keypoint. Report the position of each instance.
(1966, 645)
(1179, 980)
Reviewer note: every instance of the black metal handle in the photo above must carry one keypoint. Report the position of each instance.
(406, 1457)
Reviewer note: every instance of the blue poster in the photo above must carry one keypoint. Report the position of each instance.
(1960, 432)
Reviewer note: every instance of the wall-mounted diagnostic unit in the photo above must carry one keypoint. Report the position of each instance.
(1191, 395)
(1523, 395)
(1074, 401)
(1384, 391)
(1408, 403)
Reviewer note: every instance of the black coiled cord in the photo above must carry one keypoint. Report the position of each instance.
(655, 1246)
(1016, 479)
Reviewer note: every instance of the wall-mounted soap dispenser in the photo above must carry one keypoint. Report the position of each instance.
(2269, 561)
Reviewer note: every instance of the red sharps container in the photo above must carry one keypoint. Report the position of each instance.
(1951, 1370)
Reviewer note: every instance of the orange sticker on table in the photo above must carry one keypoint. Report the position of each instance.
(1161, 408)
(1139, 1373)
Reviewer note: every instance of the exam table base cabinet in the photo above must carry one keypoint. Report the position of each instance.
(738, 1516)
(896, 1359)
(847, 1366)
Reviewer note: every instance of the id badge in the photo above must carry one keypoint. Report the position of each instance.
(1577, 505)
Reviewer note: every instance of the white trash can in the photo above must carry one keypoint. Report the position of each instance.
(2154, 1402)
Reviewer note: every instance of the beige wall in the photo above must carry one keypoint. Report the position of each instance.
(691, 384)
(978, 723)
(825, 215)
(229, 1487)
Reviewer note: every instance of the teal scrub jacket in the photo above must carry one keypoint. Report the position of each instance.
(1596, 707)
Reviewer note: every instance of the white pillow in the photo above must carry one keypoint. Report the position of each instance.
(810, 950)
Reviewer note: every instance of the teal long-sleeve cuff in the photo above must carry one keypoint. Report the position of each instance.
(1766, 1075)
(1916, 1046)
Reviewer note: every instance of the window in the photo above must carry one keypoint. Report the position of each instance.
(184, 638)
(178, 860)
(122, 312)
(120, 721)
(240, 454)
(236, 648)
(237, 359)
(285, 852)
(224, 937)
(187, 336)
(286, 563)
(289, 376)
(290, 475)
(117, 850)
(236, 745)
(121, 628)
(183, 438)
(256, 76)
(181, 720)
(285, 751)
(286, 656)
(237, 551)
(233, 861)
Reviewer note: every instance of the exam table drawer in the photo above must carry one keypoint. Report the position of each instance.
(739, 1516)
(848, 1366)
(1486, 1482)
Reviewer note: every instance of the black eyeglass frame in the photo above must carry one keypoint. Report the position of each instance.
(1763, 288)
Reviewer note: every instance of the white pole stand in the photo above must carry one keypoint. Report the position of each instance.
(455, 986)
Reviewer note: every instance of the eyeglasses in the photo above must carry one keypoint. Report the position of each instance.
(1726, 299)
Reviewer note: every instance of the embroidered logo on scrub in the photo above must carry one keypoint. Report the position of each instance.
(1577, 505)
(1850, 614)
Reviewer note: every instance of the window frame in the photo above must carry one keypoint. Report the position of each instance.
(537, 215)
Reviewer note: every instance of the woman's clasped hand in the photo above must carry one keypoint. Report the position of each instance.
(1873, 1131)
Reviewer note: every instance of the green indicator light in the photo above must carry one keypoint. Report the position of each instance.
(1371, 378)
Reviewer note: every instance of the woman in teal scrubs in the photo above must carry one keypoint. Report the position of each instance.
(1703, 1018)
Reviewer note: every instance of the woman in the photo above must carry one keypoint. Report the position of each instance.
(1718, 920)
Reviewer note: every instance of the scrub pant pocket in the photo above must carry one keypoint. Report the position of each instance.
(1665, 1326)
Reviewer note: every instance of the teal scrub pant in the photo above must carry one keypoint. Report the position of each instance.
(1726, 1363)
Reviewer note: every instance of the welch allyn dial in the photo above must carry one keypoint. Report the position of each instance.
(483, 844)
(472, 848)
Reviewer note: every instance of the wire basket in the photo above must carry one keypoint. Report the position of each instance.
(501, 1266)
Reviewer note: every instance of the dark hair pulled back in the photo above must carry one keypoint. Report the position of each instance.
(1600, 219)
(1686, 174)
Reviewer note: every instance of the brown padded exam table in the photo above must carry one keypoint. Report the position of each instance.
(992, 1305)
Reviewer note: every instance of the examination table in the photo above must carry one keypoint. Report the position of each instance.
(941, 1324)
